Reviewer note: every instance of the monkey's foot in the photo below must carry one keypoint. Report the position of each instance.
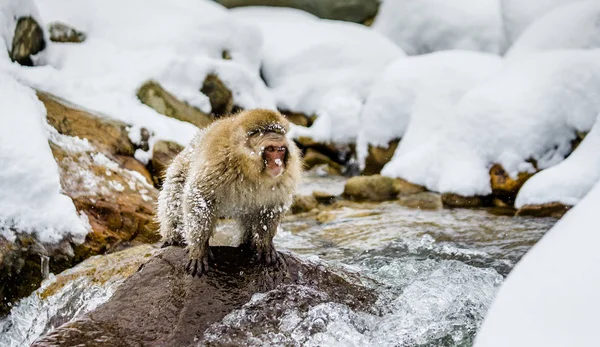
(197, 266)
(268, 254)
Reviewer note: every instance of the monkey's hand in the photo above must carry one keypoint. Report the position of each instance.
(198, 262)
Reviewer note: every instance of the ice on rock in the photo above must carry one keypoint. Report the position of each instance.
(569, 181)
(419, 91)
(312, 67)
(427, 26)
(573, 26)
(531, 110)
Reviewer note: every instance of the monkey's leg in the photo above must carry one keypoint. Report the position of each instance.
(260, 228)
(199, 223)
(170, 211)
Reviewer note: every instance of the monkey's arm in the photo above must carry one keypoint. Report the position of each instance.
(260, 228)
(199, 222)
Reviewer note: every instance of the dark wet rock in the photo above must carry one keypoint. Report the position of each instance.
(324, 197)
(452, 200)
(221, 99)
(155, 96)
(304, 203)
(378, 157)
(358, 11)
(505, 187)
(313, 158)
(28, 40)
(423, 200)
(378, 188)
(145, 135)
(162, 306)
(163, 153)
(63, 33)
(342, 154)
(553, 209)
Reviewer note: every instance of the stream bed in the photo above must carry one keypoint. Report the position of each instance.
(435, 273)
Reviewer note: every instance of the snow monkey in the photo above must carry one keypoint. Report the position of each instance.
(240, 167)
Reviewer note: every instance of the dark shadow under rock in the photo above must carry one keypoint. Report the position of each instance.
(162, 306)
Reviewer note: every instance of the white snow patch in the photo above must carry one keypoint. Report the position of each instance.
(574, 26)
(551, 297)
(426, 26)
(569, 181)
(420, 91)
(30, 191)
(531, 110)
(519, 14)
(321, 67)
(131, 42)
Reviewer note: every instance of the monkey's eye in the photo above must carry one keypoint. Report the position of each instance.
(270, 149)
(281, 149)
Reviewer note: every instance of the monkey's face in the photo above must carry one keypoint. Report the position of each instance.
(273, 150)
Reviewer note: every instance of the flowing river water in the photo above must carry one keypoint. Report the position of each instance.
(435, 273)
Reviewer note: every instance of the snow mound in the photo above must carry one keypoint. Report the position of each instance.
(519, 14)
(575, 26)
(128, 43)
(317, 66)
(551, 297)
(30, 191)
(569, 181)
(530, 111)
(426, 26)
(418, 90)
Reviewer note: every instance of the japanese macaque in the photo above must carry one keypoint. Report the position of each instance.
(240, 167)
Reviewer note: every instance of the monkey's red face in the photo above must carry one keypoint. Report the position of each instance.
(274, 156)
(273, 150)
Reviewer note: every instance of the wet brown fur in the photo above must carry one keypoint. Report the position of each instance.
(222, 174)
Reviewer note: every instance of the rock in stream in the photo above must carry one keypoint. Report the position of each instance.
(162, 306)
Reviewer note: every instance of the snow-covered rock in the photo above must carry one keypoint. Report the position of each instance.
(30, 192)
(519, 14)
(569, 181)
(320, 66)
(551, 297)
(573, 26)
(433, 25)
(177, 44)
(418, 92)
(531, 110)
(20, 30)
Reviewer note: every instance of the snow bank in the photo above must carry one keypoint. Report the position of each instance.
(574, 26)
(10, 12)
(551, 297)
(320, 66)
(519, 14)
(419, 91)
(569, 181)
(433, 25)
(531, 110)
(30, 198)
(176, 43)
